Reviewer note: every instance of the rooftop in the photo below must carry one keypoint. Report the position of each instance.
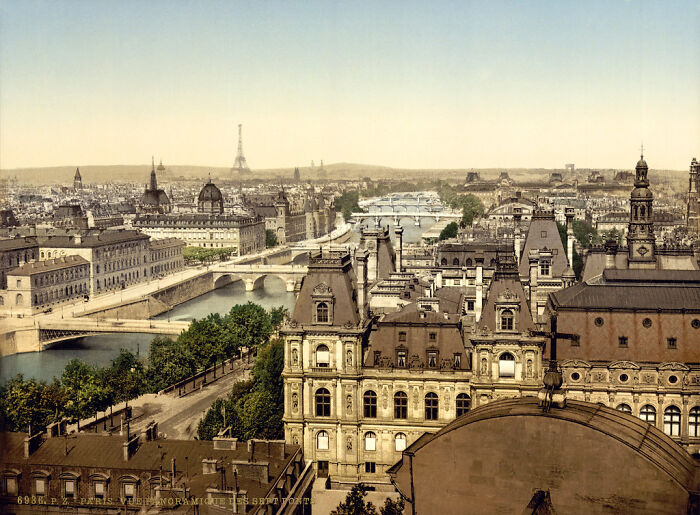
(39, 267)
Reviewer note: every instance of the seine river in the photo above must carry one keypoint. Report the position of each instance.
(100, 350)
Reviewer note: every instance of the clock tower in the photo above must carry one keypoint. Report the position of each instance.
(641, 242)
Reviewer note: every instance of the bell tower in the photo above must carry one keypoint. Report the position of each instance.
(641, 242)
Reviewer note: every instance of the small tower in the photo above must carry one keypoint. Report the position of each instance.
(240, 165)
(641, 242)
(77, 180)
(693, 210)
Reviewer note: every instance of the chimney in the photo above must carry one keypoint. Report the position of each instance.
(569, 213)
(534, 260)
(361, 259)
(398, 231)
(479, 281)
(517, 216)
(610, 252)
(438, 280)
(173, 470)
(78, 239)
(130, 446)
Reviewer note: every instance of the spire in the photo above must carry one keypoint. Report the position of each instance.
(153, 184)
(641, 242)
(240, 164)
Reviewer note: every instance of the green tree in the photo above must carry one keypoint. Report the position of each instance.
(392, 507)
(125, 379)
(355, 503)
(450, 231)
(277, 316)
(168, 362)
(249, 324)
(83, 389)
(270, 238)
(213, 420)
(348, 203)
(25, 404)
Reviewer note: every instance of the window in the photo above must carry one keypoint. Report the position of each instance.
(322, 441)
(463, 404)
(40, 486)
(506, 320)
(432, 358)
(19, 283)
(599, 321)
(402, 336)
(370, 441)
(457, 363)
(622, 342)
(671, 343)
(129, 490)
(443, 261)
(323, 403)
(369, 401)
(401, 358)
(11, 485)
(543, 234)
(99, 489)
(370, 467)
(400, 405)
(431, 406)
(400, 442)
(646, 322)
(624, 408)
(694, 422)
(323, 356)
(377, 357)
(470, 305)
(69, 488)
(544, 268)
(506, 365)
(648, 414)
(322, 469)
(672, 421)
(322, 312)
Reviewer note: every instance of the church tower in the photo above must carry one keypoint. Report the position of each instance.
(77, 180)
(693, 213)
(641, 242)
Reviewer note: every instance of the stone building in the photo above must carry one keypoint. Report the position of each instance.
(37, 286)
(641, 251)
(154, 199)
(513, 456)
(15, 252)
(166, 256)
(70, 216)
(99, 473)
(636, 347)
(118, 258)
(77, 180)
(242, 234)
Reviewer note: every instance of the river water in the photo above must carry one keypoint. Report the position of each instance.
(101, 349)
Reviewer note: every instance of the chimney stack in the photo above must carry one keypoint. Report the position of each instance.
(610, 252)
(173, 470)
(479, 281)
(361, 260)
(534, 261)
(398, 230)
(517, 216)
(569, 213)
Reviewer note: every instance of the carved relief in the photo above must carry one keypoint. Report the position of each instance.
(322, 289)
(529, 371)
(348, 445)
(295, 357)
(295, 402)
(484, 366)
(348, 358)
(385, 397)
(648, 378)
(348, 404)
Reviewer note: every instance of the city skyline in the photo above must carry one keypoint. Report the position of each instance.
(453, 85)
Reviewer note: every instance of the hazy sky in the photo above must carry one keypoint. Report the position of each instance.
(407, 84)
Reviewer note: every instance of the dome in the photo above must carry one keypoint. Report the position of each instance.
(642, 163)
(642, 193)
(210, 193)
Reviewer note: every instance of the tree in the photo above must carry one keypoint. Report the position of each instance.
(84, 391)
(25, 404)
(450, 231)
(355, 504)
(270, 238)
(125, 379)
(249, 324)
(392, 507)
(169, 362)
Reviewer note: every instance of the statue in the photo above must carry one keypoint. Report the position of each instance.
(295, 402)
(484, 366)
(348, 359)
(295, 357)
(348, 404)
(529, 368)
(349, 443)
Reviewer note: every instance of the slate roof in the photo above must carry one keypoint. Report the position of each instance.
(17, 243)
(543, 233)
(39, 267)
(91, 240)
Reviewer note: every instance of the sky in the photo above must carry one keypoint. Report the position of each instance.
(431, 84)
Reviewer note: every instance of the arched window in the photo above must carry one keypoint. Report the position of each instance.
(400, 405)
(507, 320)
(463, 404)
(370, 441)
(624, 408)
(322, 312)
(19, 300)
(672, 421)
(323, 356)
(443, 261)
(648, 414)
(400, 442)
(492, 262)
(323, 403)
(322, 441)
(431, 406)
(468, 262)
(455, 262)
(369, 401)
(506, 365)
(694, 422)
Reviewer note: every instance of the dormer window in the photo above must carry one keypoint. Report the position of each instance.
(545, 268)
(322, 313)
(401, 358)
(402, 336)
(432, 337)
(432, 358)
(507, 320)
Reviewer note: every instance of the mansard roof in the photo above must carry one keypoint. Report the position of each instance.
(544, 233)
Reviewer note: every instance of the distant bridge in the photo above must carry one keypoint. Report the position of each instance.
(415, 215)
(56, 330)
(253, 276)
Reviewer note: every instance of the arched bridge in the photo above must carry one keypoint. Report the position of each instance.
(415, 214)
(54, 330)
(253, 276)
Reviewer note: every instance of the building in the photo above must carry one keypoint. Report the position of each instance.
(641, 251)
(242, 234)
(514, 456)
(77, 180)
(166, 256)
(70, 216)
(154, 199)
(15, 252)
(41, 285)
(102, 473)
(118, 258)
(210, 200)
(693, 208)
(636, 346)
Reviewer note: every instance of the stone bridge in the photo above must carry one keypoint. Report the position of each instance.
(253, 276)
(416, 215)
(56, 330)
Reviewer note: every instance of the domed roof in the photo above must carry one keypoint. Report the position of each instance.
(642, 163)
(210, 193)
(643, 193)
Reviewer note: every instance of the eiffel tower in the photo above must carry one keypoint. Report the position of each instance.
(240, 163)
